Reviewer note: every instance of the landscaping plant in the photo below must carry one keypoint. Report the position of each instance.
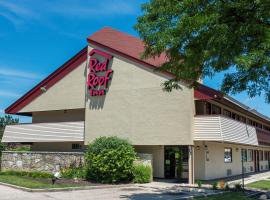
(142, 173)
(109, 160)
(32, 174)
(199, 182)
(238, 187)
(214, 186)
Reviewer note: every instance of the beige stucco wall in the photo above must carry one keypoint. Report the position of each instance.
(56, 146)
(137, 108)
(68, 93)
(157, 153)
(215, 167)
(58, 116)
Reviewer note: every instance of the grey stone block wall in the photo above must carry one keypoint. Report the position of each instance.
(40, 161)
(50, 161)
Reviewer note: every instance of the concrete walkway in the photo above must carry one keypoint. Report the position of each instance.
(250, 178)
(152, 191)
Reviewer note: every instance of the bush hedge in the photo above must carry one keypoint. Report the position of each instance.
(109, 160)
(142, 173)
(33, 174)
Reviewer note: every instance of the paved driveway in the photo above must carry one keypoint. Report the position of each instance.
(134, 192)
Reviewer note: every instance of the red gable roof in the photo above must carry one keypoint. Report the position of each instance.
(203, 92)
(124, 43)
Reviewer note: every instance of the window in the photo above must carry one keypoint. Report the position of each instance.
(242, 119)
(265, 155)
(76, 146)
(235, 116)
(249, 122)
(208, 109)
(228, 155)
(244, 154)
(250, 155)
(216, 110)
(261, 155)
(227, 113)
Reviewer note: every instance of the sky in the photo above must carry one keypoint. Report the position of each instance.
(38, 36)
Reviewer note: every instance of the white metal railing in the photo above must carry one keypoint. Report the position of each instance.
(45, 132)
(223, 129)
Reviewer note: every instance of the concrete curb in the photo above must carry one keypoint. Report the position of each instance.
(67, 188)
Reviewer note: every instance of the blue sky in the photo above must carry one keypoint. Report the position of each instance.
(38, 36)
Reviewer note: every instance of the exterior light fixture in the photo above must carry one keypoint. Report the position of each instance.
(43, 89)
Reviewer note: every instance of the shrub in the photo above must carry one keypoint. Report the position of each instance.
(109, 160)
(227, 187)
(18, 147)
(214, 186)
(33, 174)
(199, 182)
(238, 187)
(70, 172)
(142, 173)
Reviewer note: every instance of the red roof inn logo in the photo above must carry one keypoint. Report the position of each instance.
(99, 74)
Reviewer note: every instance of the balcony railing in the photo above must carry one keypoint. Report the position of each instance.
(45, 132)
(223, 129)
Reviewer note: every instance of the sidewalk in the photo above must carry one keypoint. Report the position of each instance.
(250, 178)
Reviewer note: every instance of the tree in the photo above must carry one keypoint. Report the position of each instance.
(6, 120)
(201, 38)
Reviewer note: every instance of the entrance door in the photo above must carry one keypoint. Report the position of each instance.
(174, 156)
(256, 161)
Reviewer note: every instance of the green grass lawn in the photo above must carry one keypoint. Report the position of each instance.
(227, 196)
(33, 183)
(264, 185)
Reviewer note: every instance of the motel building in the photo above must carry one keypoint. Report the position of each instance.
(106, 89)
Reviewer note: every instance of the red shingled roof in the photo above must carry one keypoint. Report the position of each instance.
(204, 92)
(124, 43)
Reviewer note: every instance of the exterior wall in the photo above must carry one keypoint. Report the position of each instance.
(68, 93)
(215, 167)
(58, 116)
(137, 108)
(157, 153)
(56, 146)
(40, 161)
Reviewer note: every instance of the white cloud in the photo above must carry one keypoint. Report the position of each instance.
(2, 111)
(18, 12)
(18, 73)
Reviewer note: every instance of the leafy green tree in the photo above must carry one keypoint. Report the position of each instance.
(201, 38)
(6, 120)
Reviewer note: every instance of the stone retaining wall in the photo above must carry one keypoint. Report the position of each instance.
(50, 161)
(40, 161)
